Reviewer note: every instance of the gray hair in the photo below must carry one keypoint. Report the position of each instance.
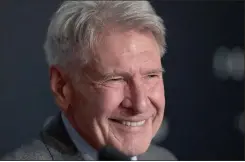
(74, 28)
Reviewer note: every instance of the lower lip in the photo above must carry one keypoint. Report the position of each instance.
(126, 128)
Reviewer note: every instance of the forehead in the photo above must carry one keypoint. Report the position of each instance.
(127, 50)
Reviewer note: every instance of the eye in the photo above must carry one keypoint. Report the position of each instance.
(115, 79)
(152, 75)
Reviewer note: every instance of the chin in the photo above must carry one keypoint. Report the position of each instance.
(133, 149)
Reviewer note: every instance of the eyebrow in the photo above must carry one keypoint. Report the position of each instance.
(151, 71)
(154, 71)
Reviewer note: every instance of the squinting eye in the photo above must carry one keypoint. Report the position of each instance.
(152, 75)
(116, 79)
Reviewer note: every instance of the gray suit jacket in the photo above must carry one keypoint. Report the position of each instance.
(54, 143)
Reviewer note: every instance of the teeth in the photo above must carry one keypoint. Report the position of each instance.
(133, 124)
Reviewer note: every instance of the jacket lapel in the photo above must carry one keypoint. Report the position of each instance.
(58, 142)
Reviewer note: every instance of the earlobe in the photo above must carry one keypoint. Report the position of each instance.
(60, 87)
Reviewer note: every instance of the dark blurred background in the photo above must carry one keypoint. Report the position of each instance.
(204, 77)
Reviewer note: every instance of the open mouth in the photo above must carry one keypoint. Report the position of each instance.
(129, 123)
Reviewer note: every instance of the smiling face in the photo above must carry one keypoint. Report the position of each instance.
(120, 98)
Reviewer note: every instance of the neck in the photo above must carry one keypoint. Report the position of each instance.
(83, 134)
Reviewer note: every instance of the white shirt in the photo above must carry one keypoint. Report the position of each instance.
(79, 142)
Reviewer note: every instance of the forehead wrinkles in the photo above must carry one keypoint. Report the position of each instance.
(126, 50)
(132, 67)
(127, 62)
(136, 43)
(123, 41)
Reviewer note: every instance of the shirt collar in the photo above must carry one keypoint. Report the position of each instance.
(79, 142)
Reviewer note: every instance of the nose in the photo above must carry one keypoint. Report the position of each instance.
(137, 100)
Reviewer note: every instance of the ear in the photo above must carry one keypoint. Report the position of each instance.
(61, 87)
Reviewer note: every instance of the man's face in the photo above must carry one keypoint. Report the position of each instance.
(120, 101)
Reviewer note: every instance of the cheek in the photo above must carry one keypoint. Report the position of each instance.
(157, 99)
(107, 100)
(157, 96)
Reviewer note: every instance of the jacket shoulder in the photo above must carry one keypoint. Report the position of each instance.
(165, 152)
(35, 150)
(156, 152)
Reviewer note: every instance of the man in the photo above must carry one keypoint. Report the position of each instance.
(106, 77)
